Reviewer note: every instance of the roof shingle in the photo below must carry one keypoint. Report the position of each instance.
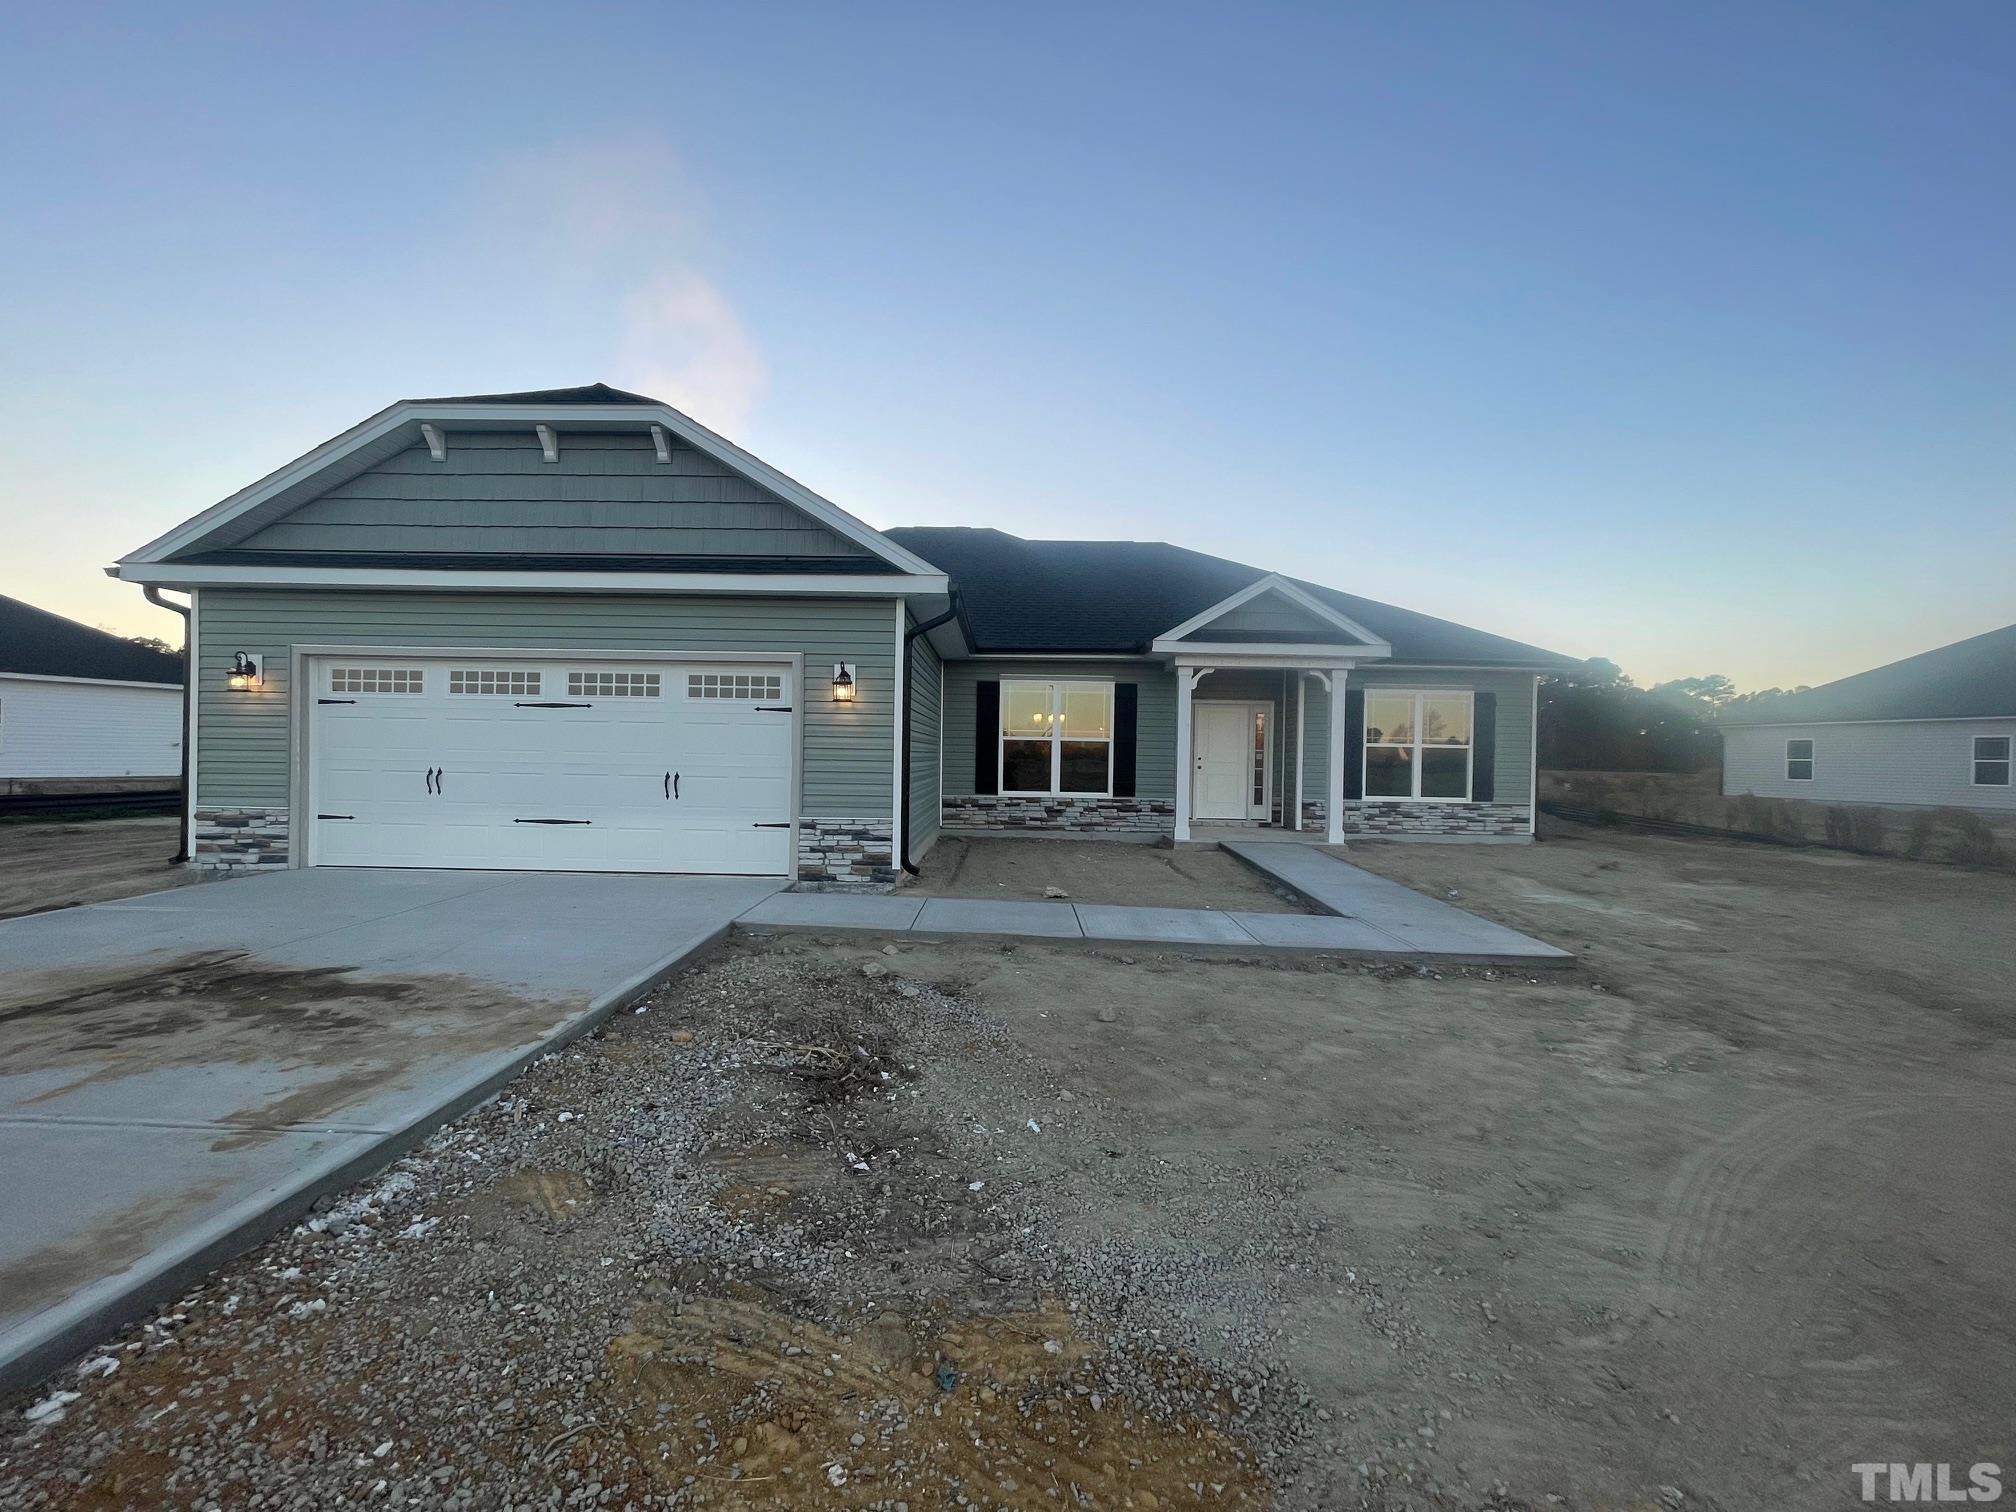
(36, 643)
(1970, 679)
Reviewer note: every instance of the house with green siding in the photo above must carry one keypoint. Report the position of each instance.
(575, 630)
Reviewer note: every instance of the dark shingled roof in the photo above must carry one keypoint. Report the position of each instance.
(593, 393)
(42, 644)
(1108, 596)
(1970, 679)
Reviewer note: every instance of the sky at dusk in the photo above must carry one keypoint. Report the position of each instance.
(1683, 335)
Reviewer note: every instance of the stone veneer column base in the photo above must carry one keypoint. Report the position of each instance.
(1404, 818)
(240, 838)
(857, 852)
(1075, 815)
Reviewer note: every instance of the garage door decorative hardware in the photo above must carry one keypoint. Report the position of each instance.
(335, 700)
(434, 780)
(785, 825)
(552, 821)
(522, 704)
(335, 816)
(671, 784)
(773, 708)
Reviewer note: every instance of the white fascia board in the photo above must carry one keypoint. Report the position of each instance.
(837, 584)
(560, 417)
(91, 682)
(1327, 655)
(1272, 583)
(1226, 658)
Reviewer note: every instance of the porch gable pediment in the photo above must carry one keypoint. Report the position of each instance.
(1272, 614)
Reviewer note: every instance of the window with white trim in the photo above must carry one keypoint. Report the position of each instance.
(1798, 761)
(1057, 739)
(614, 684)
(377, 680)
(502, 681)
(1418, 745)
(1991, 761)
(734, 685)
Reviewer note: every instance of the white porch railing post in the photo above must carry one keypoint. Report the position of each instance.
(1186, 682)
(1333, 805)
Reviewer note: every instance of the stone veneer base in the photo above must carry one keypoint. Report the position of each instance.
(855, 852)
(1072, 815)
(1403, 818)
(240, 838)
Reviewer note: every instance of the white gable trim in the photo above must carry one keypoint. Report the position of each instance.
(1368, 644)
(559, 418)
(824, 584)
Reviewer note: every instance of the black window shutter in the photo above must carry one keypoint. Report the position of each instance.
(987, 737)
(1126, 714)
(1354, 742)
(1484, 749)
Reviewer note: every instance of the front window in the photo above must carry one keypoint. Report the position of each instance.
(1057, 738)
(1991, 761)
(1418, 745)
(1799, 760)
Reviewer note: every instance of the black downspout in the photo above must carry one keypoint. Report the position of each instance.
(903, 673)
(188, 715)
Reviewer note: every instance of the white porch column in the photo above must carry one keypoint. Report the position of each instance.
(1301, 744)
(1333, 803)
(1186, 685)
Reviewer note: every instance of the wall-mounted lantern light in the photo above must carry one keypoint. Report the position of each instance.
(244, 675)
(843, 682)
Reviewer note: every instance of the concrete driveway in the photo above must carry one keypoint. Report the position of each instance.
(182, 1072)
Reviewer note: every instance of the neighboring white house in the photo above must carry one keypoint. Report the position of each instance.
(76, 703)
(1935, 730)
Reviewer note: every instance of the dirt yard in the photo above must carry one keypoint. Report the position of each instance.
(1096, 871)
(839, 1224)
(59, 864)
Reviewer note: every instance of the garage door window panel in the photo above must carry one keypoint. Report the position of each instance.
(377, 680)
(494, 682)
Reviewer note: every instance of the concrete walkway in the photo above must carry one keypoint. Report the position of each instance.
(185, 1072)
(1363, 914)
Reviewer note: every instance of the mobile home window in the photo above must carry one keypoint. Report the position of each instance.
(1799, 760)
(1057, 738)
(1991, 761)
(1417, 745)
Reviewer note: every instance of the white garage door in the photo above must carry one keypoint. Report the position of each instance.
(551, 765)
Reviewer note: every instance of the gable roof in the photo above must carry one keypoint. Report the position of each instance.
(40, 644)
(1970, 679)
(1118, 596)
(170, 558)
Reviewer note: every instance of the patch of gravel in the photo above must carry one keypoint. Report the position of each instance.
(619, 1283)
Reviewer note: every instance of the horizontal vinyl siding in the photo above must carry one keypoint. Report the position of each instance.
(1514, 770)
(1155, 729)
(925, 731)
(60, 729)
(495, 492)
(242, 741)
(1927, 763)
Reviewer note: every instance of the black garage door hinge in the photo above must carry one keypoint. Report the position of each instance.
(335, 816)
(552, 821)
(785, 825)
(524, 705)
(336, 700)
(773, 708)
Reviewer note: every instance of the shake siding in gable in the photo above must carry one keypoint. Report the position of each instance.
(495, 492)
(1155, 726)
(242, 743)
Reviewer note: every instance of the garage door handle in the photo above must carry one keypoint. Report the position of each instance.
(430, 779)
(523, 705)
(671, 784)
(552, 821)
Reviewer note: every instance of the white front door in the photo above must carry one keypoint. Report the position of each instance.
(1229, 780)
(539, 763)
